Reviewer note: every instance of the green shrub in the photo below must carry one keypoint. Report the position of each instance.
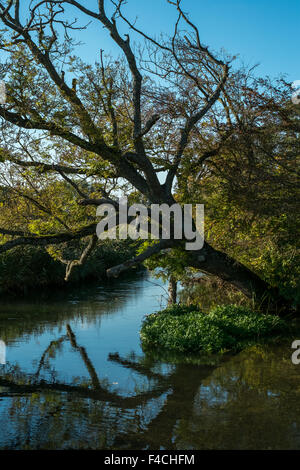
(23, 269)
(230, 327)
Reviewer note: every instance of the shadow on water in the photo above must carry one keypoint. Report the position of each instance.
(76, 377)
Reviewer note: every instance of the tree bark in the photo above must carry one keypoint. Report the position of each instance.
(214, 262)
(172, 289)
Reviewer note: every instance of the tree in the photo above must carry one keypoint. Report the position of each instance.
(250, 187)
(114, 125)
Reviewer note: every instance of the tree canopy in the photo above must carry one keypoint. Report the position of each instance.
(168, 120)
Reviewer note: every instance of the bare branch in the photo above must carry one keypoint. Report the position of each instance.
(73, 184)
(84, 256)
(149, 124)
(190, 123)
(98, 202)
(44, 167)
(26, 123)
(152, 250)
(46, 240)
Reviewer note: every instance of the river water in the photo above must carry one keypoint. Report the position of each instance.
(75, 377)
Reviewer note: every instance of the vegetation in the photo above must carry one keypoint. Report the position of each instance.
(77, 135)
(186, 329)
(259, 228)
(30, 268)
(250, 201)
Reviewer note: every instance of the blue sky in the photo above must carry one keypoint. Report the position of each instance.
(260, 31)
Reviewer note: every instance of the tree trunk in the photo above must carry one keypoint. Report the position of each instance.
(172, 289)
(211, 261)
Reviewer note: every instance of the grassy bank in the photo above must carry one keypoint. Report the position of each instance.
(186, 329)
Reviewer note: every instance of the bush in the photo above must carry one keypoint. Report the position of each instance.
(23, 269)
(225, 328)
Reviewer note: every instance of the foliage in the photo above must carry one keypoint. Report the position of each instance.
(263, 238)
(186, 329)
(208, 291)
(76, 133)
(171, 262)
(28, 268)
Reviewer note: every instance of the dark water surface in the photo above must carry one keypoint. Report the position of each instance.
(76, 377)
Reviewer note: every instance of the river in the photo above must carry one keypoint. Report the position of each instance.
(75, 377)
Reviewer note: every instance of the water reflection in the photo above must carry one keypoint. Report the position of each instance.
(79, 379)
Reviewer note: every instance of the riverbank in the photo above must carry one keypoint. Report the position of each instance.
(129, 399)
(25, 270)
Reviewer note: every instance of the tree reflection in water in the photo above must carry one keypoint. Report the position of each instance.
(52, 414)
(250, 400)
